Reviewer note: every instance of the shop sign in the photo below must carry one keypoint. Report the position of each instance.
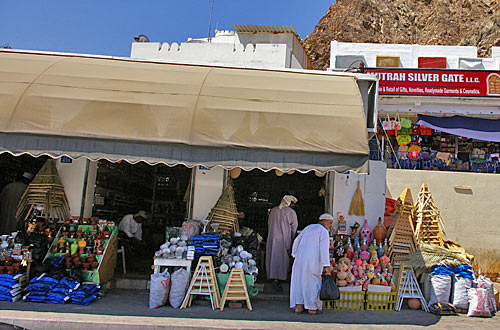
(425, 82)
(66, 160)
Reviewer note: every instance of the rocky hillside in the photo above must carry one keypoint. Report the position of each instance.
(425, 22)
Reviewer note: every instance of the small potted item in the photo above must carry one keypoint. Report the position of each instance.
(81, 245)
(16, 266)
(74, 247)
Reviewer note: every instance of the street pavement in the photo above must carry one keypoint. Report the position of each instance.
(128, 309)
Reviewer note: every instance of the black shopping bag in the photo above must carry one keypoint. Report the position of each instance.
(329, 290)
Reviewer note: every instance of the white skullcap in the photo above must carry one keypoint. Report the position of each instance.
(28, 175)
(287, 200)
(326, 216)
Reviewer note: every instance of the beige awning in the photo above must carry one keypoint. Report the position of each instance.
(157, 112)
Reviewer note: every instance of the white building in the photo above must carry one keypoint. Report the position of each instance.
(249, 46)
(394, 57)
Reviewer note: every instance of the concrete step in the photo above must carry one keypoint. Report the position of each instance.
(131, 282)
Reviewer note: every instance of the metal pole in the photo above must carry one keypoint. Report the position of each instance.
(210, 23)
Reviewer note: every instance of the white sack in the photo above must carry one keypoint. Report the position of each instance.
(159, 289)
(460, 297)
(440, 289)
(179, 282)
(484, 282)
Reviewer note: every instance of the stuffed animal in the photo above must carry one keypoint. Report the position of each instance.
(366, 232)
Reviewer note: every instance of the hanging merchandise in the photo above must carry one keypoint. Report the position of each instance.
(425, 130)
(415, 129)
(357, 204)
(397, 123)
(403, 139)
(405, 123)
(388, 124)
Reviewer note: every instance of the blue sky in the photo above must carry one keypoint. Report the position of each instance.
(108, 26)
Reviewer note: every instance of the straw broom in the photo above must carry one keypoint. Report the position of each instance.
(429, 255)
(357, 204)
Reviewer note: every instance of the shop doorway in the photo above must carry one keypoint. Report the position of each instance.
(257, 192)
(162, 191)
(12, 167)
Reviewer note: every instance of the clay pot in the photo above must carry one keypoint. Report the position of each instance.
(414, 303)
(68, 258)
(91, 258)
(68, 264)
(95, 264)
(16, 266)
(10, 269)
(83, 259)
(76, 260)
(379, 231)
(85, 266)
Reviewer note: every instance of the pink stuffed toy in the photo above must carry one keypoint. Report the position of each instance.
(365, 232)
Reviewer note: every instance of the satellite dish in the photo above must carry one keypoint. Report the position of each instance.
(141, 38)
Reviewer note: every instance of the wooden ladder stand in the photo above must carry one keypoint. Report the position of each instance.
(204, 283)
(408, 287)
(236, 289)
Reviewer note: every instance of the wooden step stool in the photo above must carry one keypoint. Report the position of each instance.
(236, 289)
(204, 283)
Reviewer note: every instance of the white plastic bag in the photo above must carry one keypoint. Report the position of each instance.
(179, 282)
(190, 228)
(159, 289)
(440, 289)
(479, 302)
(460, 297)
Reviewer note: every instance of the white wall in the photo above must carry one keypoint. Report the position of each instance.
(408, 54)
(208, 185)
(249, 50)
(373, 187)
(72, 176)
(470, 215)
(267, 56)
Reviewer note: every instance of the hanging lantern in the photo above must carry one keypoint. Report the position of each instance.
(278, 172)
(235, 172)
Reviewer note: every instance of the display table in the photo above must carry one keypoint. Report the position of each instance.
(171, 262)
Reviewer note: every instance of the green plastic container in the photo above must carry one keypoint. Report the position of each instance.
(223, 278)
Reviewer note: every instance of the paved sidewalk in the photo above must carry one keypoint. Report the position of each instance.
(128, 309)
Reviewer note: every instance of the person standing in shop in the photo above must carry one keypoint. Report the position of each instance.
(9, 200)
(282, 224)
(311, 252)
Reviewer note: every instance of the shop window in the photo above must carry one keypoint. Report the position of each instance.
(471, 64)
(493, 84)
(349, 61)
(432, 63)
(388, 62)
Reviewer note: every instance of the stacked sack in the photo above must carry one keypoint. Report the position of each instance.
(60, 290)
(206, 244)
(50, 289)
(86, 293)
(10, 288)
